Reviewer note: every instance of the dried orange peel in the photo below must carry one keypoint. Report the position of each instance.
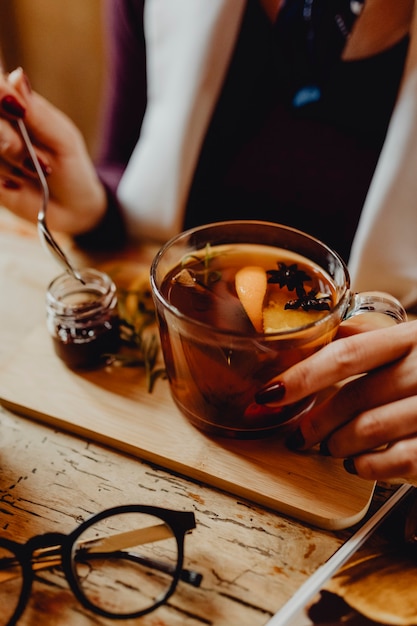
(139, 296)
(251, 285)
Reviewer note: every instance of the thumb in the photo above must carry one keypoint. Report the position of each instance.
(19, 80)
(50, 127)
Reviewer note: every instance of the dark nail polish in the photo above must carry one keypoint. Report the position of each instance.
(349, 465)
(8, 183)
(324, 448)
(29, 165)
(11, 106)
(274, 393)
(295, 441)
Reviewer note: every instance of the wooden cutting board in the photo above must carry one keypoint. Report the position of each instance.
(112, 406)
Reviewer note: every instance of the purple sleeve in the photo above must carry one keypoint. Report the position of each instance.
(124, 104)
(125, 83)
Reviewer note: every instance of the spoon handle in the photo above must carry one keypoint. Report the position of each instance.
(43, 230)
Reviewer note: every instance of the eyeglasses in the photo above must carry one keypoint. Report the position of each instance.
(121, 563)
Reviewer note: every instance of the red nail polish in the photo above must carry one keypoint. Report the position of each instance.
(9, 183)
(11, 106)
(273, 393)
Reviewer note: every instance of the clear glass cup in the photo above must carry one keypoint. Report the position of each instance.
(217, 357)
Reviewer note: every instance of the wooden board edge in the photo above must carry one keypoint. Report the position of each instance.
(222, 484)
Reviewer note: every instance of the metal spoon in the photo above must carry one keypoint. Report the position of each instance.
(43, 230)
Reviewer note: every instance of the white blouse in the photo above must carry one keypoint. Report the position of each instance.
(189, 45)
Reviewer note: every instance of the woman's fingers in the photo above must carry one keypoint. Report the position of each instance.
(20, 82)
(50, 128)
(14, 157)
(13, 152)
(347, 433)
(367, 398)
(21, 196)
(397, 461)
(13, 102)
(11, 148)
(77, 197)
(378, 444)
(340, 360)
(371, 420)
(376, 428)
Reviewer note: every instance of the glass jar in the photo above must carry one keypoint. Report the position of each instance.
(82, 318)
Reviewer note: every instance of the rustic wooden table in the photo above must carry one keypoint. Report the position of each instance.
(252, 559)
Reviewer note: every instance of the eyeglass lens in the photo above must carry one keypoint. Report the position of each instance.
(126, 563)
(11, 582)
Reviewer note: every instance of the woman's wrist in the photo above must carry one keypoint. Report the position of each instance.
(110, 231)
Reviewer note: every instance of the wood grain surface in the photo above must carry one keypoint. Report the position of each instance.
(253, 559)
(112, 405)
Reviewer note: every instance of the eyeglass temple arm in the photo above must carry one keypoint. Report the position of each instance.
(188, 576)
(102, 545)
(45, 558)
(127, 539)
(51, 556)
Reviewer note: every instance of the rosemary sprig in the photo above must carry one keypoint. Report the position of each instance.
(206, 276)
(137, 334)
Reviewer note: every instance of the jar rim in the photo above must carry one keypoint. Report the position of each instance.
(68, 297)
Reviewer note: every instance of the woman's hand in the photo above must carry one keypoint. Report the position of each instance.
(371, 420)
(77, 197)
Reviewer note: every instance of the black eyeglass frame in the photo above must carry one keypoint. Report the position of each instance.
(180, 522)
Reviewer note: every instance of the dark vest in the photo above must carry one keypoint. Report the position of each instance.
(297, 132)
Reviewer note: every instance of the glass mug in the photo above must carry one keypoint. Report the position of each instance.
(237, 303)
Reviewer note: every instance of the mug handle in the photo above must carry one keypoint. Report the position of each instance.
(375, 302)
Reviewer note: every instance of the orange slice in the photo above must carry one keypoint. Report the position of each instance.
(139, 296)
(251, 285)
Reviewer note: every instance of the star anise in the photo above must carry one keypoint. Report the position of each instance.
(289, 276)
(309, 302)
